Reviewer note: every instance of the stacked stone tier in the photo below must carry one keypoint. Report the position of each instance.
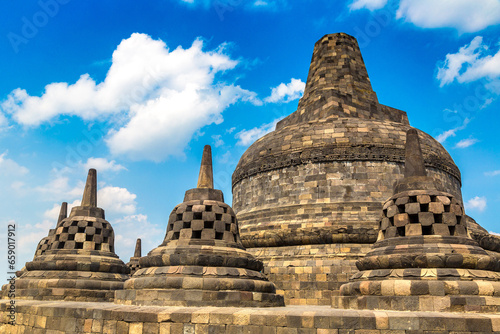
(321, 178)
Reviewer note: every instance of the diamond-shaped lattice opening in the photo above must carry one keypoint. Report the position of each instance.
(98, 231)
(74, 223)
(186, 225)
(219, 235)
(60, 245)
(79, 245)
(196, 235)
(65, 229)
(176, 236)
(71, 237)
(228, 227)
(81, 230)
(401, 231)
(208, 208)
(88, 237)
(97, 247)
(197, 215)
(179, 216)
(208, 224)
(189, 208)
(218, 216)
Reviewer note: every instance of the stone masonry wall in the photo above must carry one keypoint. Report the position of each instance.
(78, 317)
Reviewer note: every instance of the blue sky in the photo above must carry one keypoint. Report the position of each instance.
(137, 88)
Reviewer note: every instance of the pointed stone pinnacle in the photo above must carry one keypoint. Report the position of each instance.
(414, 160)
(89, 198)
(63, 213)
(206, 178)
(137, 252)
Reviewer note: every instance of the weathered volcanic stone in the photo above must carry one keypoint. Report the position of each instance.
(133, 264)
(201, 261)
(322, 176)
(77, 261)
(431, 252)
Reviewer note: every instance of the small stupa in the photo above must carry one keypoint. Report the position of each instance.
(424, 259)
(77, 261)
(201, 261)
(133, 264)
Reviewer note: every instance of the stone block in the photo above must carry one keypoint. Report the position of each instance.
(412, 208)
(426, 218)
(423, 199)
(436, 207)
(401, 219)
(413, 229)
(440, 229)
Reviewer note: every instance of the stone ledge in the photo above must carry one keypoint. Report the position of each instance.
(86, 317)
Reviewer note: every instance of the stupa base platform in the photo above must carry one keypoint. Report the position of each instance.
(191, 297)
(86, 317)
(310, 274)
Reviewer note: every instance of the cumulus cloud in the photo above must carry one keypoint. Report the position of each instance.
(452, 132)
(10, 167)
(476, 203)
(127, 231)
(286, 92)
(59, 189)
(473, 61)
(464, 15)
(162, 97)
(464, 143)
(368, 4)
(246, 137)
(116, 200)
(102, 165)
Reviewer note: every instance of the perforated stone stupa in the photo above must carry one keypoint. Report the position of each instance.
(201, 261)
(77, 261)
(423, 260)
(308, 195)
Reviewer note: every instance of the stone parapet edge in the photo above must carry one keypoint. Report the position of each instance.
(81, 317)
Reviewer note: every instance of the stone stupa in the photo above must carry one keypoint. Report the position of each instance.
(77, 261)
(133, 264)
(424, 259)
(308, 195)
(201, 261)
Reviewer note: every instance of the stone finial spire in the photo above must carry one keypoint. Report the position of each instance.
(205, 188)
(206, 177)
(90, 193)
(415, 177)
(414, 160)
(137, 252)
(337, 64)
(63, 213)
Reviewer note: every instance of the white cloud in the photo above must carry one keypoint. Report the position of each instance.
(127, 231)
(473, 61)
(494, 233)
(368, 4)
(286, 92)
(59, 189)
(102, 165)
(10, 167)
(476, 203)
(163, 96)
(466, 143)
(452, 132)
(246, 137)
(116, 200)
(493, 173)
(53, 213)
(218, 140)
(464, 15)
